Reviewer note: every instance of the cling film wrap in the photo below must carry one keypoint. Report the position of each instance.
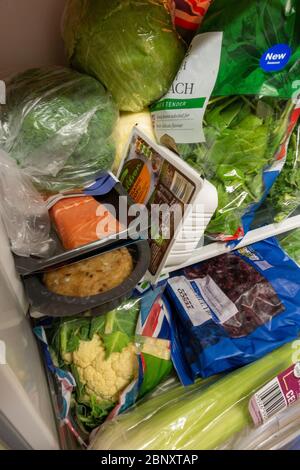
(64, 341)
(57, 125)
(202, 416)
(236, 122)
(233, 309)
(24, 212)
(141, 50)
(278, 432)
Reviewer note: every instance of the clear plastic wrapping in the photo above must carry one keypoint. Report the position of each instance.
(285, 194)
(24, 211)
(57, 125)
(276, 433)
(202, 416)
(131, 47)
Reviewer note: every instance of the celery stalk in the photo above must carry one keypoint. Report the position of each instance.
(200, 417)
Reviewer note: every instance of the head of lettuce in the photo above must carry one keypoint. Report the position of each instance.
(130, 46)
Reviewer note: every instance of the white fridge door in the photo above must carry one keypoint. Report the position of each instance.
(26, 415)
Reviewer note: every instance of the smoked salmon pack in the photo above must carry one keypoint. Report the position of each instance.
(83, 221)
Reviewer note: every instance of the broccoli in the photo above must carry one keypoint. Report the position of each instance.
(57, 125)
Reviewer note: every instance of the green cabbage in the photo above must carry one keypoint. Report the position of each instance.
(129, 45)
(57, 125)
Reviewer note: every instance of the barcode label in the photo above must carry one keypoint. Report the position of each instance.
(268, 401)
(181, 187)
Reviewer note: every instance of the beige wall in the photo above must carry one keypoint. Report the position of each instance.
(30, 34)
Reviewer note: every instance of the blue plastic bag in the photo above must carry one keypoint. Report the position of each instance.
(233, 309)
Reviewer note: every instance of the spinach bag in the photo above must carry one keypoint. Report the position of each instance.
(285, 194)
(235, 98)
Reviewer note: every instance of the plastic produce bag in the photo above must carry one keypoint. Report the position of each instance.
(234, 309)
(291, 244)
(234, 96)
(57, 125)
(202, 416)
(24, 211)
(284, 197)
(276, 433)
(130, 46)
(113, 359)
(246, 139)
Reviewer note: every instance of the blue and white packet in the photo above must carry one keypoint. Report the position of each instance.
(233, 309)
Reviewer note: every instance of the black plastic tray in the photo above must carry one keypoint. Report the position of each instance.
(48, 303)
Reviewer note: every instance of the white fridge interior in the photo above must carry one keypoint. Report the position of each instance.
(29, 37)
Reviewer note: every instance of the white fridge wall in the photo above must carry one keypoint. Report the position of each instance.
(30, 34)
(26, 415)
(29, 37)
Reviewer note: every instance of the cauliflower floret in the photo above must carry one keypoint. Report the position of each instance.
(87, 352)
(105, 378)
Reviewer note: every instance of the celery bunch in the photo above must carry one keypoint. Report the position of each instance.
(202, 416)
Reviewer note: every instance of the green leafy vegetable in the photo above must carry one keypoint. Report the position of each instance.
(249, 29)
(291, 244)
(115, 342)
(285, 194)
(93, 340)
(242, 135)
(57, 124)
(131, 46)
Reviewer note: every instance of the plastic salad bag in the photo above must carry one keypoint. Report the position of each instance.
(284, 197)
(109, 361)
(235, 98)
(291, 244)
(202, 416)
(131, 46)
(24, 212)
(57, 125)
(233, 309)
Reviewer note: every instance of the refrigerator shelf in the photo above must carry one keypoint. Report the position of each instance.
(205, 252)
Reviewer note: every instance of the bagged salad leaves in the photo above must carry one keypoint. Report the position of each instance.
(291, 244)
(233, 309)
(284, 197)
(130, 46)
(57, 125)
(107, 361)
(203, 416)
(235, 99)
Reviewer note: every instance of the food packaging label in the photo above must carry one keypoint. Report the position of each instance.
(277, 395)
(179, 114)
(157, 178)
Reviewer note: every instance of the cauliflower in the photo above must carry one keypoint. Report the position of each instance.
(103, 378)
